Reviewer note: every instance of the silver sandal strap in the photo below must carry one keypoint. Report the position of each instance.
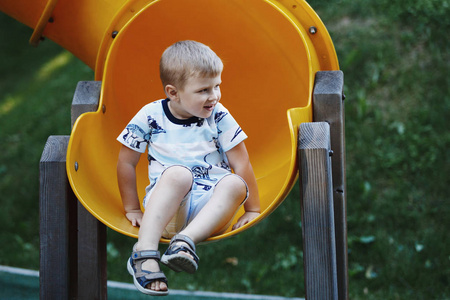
(146, 254)
(183, 238)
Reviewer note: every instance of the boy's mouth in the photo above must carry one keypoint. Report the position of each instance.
(209, 107)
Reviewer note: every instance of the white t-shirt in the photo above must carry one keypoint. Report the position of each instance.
(197, 143)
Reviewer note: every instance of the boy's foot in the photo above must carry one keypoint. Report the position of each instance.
(183, 244)
(152, 265)
(180, 255)
(147, 277)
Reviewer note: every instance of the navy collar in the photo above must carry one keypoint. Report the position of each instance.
(175, 120)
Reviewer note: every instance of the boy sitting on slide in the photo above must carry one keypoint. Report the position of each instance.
(199, 170)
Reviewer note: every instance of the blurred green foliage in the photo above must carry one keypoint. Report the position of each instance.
(395, 58)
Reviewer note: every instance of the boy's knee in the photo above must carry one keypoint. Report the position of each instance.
(236, 185)
(179, 175)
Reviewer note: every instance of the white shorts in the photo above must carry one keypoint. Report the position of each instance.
(190, 206)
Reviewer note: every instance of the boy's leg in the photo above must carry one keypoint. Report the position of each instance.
(228, 195)
(163, 204)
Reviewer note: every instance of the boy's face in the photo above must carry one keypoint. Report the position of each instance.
(198, 97)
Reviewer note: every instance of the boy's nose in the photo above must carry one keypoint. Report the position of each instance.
(215, 95)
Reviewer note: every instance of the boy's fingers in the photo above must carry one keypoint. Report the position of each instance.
(137, 223)
(238, 224)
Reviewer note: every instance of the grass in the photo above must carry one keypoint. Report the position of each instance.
(395, 57)
(36, 88)
(397, 76)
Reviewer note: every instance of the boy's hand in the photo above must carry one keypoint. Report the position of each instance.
(135, 217)
(245, 218)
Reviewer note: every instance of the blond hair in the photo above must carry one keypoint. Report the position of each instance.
(186, 59)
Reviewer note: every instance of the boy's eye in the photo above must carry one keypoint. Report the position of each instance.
(206, 90)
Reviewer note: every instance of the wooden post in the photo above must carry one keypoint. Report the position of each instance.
(92, 265)
(85, 98)
(57, 207)
(319, 247)
(72, 241)
(329, 107)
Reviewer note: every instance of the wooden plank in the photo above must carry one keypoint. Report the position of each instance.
(57, 214)
(92, 265)
(319, 245)
(329, 107)
(86, 98)
(72, 242)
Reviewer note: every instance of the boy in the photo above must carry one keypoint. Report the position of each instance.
(193, 143)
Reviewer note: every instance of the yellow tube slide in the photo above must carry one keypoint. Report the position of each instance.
(271, 50)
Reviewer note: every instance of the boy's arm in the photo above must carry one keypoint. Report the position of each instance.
(126, 176)
(240, 163)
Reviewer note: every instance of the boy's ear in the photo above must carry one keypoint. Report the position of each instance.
(171, 92)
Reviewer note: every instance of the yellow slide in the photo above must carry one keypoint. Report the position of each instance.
(271, 50)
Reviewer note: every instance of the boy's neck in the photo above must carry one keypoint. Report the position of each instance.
(176, 119)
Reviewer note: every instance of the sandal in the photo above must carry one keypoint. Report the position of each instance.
(142, 278)
(178, 261)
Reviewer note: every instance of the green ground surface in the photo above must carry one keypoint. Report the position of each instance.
(21, 284)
